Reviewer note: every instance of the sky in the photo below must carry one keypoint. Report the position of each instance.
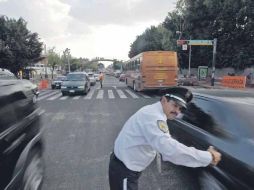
(89, 28)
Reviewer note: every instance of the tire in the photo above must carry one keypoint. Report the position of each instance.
(34, 172)
(126, 82)
(52, 87)
(63, 94)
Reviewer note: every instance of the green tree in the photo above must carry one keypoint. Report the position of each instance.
(18, 46)
(150, 40)
(54, 60)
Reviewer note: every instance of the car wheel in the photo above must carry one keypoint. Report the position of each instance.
(63, 93)
(209, 182)
(52, 87)
(126, 82)
(33, 175)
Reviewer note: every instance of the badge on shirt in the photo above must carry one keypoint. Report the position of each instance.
(162, 125)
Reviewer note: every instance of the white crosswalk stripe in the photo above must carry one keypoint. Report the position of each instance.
(121, 94)
(43, 92)
(47, 95)
(110, 94)
(76, 97)
(100, 94)
(89, 95)
(64, 98)
(132, 94)
(145, 96)
(55, 96)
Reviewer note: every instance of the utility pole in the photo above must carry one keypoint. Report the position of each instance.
(67, 53)
(214, 61)
(69, 67)
(189, 59)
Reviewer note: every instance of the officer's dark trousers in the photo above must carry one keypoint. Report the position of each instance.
(120, 177)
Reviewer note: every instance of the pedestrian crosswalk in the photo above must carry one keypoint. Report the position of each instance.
(95, 93)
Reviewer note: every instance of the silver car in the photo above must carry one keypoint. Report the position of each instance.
(92, 78)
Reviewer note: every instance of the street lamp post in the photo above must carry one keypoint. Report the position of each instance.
(189, 59)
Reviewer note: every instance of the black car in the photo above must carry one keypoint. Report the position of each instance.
(76, 83)
(229, 127)
(57, 82)
(21, 146)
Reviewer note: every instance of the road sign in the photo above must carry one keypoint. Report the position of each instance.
(184, 46)
(202, 72)
(200, 42)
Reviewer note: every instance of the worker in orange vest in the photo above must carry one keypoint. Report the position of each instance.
(101, 78)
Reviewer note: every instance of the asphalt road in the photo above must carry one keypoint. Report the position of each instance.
(79, 132)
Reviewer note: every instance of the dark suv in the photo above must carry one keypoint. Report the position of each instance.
(21, 165)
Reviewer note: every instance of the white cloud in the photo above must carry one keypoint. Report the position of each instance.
(90, 28)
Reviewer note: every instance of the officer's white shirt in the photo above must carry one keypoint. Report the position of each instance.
(140, 139)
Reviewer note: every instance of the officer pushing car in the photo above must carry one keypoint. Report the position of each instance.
(145, 133)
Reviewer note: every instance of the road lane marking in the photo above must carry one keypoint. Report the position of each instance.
(55, 97)
(121, 94)
(76, 97)
(47, 95)
(100, 94)
(41, 93)
(64, 97)
(110, 94)
(132, 94)
(144, 96)
(89, 95)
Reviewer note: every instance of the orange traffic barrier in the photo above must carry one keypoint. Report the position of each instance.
(43, 84)
(234, 81)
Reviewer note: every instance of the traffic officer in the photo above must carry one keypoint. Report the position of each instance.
(145, 133)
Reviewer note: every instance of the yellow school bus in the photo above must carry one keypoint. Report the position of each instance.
(152, 70)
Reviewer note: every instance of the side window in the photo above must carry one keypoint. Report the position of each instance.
(205, 115)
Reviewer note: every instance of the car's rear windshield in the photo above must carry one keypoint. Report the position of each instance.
(90, 75)
(75, 77)
(7, 76)
(60, 78)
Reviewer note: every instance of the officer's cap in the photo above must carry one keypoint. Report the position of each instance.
(180, 95)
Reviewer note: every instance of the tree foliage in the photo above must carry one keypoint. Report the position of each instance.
(230, 21)
(54, 60)
(18, 46)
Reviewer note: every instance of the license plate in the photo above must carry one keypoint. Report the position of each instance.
(71, 91)
(57, 84)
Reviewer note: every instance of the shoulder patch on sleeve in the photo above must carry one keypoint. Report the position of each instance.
(162, 125)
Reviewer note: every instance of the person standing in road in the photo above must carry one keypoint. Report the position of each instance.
(101, 78)
(145, 133)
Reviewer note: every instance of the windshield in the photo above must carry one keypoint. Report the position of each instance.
(75, 77)
(91, 75)
(7, 76)
(60, 78)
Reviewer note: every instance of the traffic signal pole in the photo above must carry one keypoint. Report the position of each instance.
(214, 61)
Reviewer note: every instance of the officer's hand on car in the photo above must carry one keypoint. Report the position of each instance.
(215, 155)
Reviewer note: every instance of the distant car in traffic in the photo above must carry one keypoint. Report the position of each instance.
(228, 126)
(76, 83)
(188, 81)
(97, 76)
(122, 77)
(21, 145)
(92, 78)
(57, 82)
